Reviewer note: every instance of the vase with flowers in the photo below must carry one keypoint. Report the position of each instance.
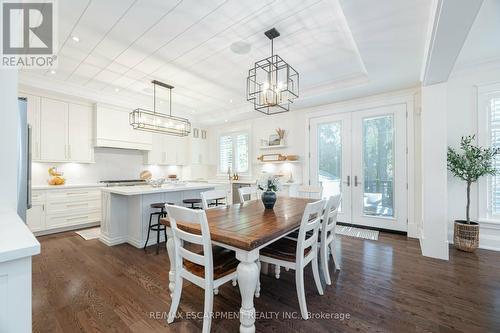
(270, 184)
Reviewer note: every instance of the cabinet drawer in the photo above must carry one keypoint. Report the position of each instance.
(73, 206)
(37, 196)
(70, 220)
(73, 195)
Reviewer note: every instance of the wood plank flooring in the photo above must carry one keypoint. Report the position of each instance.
(384, 286)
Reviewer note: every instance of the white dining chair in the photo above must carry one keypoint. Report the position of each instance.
(327, 235)
(208, 197)
(208, 270)
(247, 193)
(298, 254)
(310, 192)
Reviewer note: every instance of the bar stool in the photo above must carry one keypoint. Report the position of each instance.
(157, 226)
(192, 202)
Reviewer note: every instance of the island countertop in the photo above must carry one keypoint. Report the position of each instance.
(147, 189)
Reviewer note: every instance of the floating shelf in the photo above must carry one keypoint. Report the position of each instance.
(272, 147)
(277, 162)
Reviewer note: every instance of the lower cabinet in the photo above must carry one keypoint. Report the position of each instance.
(60, 209)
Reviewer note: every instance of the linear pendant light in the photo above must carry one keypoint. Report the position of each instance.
(152, 121)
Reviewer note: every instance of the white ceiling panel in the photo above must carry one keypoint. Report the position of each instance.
(341, 48)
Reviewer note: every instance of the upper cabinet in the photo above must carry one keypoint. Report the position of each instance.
(54, 130)
(199, 147)
(112, 129)
(80, 133)
(168, 150)
(61, 131)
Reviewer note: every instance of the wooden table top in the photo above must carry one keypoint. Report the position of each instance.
(249, 225)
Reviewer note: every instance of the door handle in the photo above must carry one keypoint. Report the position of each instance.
(356, 183)
(348, 181)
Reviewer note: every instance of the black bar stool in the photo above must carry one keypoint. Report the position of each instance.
(192, 202)
(158, 227)
(216, 202)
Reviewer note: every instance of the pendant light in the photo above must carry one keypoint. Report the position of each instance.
(272, 84)
(152, 121)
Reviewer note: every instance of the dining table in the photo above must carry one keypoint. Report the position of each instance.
(244, 228)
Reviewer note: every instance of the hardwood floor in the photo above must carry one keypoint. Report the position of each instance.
(384, 286)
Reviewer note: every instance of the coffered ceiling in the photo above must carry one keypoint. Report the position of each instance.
(112, 49)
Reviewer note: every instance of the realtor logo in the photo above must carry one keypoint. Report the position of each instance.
(28, 34)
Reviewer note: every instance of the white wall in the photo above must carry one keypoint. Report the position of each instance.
(110, 164)
(261, 128)
(462, 120)
(295, 123)
(8, 138)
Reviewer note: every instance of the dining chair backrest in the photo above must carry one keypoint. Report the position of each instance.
(330, 216)
(310, 192)
(246, 193)
(208, 196)
(310, 222)
(182, 237)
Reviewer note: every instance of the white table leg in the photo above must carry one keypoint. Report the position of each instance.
(248, 275)
(171, 257)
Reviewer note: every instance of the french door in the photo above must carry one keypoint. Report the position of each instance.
(362, 154)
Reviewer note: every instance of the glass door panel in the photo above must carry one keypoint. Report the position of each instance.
(330, 159)
(378, 166)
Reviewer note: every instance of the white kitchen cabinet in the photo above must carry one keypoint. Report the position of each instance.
(79, 133)
(33, 109)
(168, 150)
(35, 217)
(112, 129)
(157, 153)
(199, 149)
(53, 130)
(61, 131)
(62, 208)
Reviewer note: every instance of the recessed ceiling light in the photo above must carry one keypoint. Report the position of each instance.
(52, 71)
(230, 101)
(240, 47)
(75, 38)
(225, 120)
(117, 89)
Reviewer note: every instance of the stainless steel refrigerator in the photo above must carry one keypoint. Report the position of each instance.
(24, 161)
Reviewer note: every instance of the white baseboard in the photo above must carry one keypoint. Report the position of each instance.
(112, 241)
(67, 228)
(134, 242)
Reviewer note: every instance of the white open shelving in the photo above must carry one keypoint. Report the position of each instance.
(273, 147)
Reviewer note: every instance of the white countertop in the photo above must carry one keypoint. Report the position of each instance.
(239, 181)
(65, 186)
(16, 240)
(147, 189)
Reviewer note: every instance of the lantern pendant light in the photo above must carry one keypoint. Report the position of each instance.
(272, 84)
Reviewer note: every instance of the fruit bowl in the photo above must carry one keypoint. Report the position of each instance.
(156, 182)
(57, 180)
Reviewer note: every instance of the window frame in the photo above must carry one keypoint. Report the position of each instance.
(484, 95)
(234, 135)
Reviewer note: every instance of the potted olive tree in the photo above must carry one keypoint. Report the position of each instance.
(473, 163)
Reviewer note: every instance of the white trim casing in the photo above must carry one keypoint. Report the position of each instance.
(407, 97)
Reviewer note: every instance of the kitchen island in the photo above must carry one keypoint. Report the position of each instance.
(126, 209)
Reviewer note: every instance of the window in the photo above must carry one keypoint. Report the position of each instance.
(234, 153)
(494, 138)
(489, 135)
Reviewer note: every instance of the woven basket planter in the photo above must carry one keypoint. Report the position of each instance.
(466, 236)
